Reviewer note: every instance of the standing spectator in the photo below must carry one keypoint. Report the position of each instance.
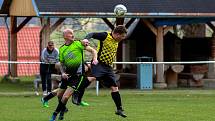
(49, 56)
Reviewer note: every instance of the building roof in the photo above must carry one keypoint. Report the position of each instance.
(28, 50)
(136, 8)
(4, 7)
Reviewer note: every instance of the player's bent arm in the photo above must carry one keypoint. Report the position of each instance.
(93, 52)
(63, 74)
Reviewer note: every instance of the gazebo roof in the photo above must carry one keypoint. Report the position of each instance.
(136, 8)
(4, 7)
(163, 12)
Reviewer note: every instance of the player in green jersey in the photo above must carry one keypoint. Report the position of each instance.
(71, 56)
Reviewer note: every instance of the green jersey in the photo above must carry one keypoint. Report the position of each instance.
(71, 57)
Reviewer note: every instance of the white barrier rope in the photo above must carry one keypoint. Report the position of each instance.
(97, 82)
(20, 62)
(180, 62)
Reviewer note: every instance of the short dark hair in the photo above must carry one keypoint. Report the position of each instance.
(50, 42)
(120, 29)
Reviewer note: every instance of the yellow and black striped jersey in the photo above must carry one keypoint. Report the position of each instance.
(107, 47)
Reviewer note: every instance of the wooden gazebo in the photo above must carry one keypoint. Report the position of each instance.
(159, 16)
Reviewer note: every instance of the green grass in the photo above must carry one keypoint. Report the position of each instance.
(18, 103)
(26, 84)
(156, 105)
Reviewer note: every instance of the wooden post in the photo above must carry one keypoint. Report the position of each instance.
(159, 54)
(171, 78)
(211, 66)
(13, 24)
(172, 75)
(46, 30)
(159, 33)
(45, 37)
(13, 41)
(160, 82)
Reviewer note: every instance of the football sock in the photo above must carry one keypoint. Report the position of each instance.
(48, 97)
(60, 107)
(81, 93)
(117, 99)
(87, 83)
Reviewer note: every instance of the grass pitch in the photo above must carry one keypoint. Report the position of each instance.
(18, 103)
(155, 105)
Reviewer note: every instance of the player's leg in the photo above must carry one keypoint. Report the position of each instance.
(58, 109)
(53, 93)
(67, 94)
(62, 89)
(77, 98)
(45, 99)
(61, 107)
(55, 82)
(59, 91)
(117, 100)
(110, 81)
(87, 83)
(60, 95)
(80, 86)
(36, 86)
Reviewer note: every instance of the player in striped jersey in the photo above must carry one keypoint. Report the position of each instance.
(107, 49)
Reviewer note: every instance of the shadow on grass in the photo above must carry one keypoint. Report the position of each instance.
(24, 84)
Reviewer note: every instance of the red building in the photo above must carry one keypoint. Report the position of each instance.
(28, 50)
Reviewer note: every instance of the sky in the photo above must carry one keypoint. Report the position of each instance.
(1, 1)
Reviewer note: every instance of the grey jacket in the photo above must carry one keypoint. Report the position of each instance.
(50, 57)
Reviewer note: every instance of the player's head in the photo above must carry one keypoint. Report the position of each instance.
(68, 34)
(50, 45)
(119, 33)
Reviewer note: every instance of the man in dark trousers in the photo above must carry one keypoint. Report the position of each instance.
(49, 56)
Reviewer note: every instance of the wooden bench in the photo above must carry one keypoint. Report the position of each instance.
(189, 77)
(128, 80)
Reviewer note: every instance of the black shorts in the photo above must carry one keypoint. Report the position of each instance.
(76, 82)
(104, 74)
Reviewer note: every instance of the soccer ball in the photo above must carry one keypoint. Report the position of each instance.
(120, 10)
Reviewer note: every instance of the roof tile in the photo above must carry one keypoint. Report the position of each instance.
(28, 50)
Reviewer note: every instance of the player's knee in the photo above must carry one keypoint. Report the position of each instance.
(91, 79)
(66, 97)
(60, 93)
